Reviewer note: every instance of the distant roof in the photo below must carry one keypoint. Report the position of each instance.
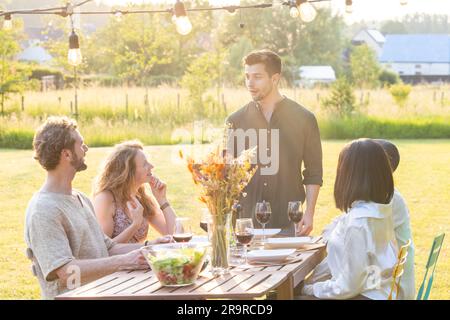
(374, 34)
(416, 48)
(36, 54)
(317, 73)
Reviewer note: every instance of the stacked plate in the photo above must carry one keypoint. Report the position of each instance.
(269, 256)
(289, 242)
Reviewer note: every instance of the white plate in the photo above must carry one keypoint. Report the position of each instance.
(267, 232)
(200, 239)
(290, 242)
(269, 255)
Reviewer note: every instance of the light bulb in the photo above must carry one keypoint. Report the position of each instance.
(307, 12)
(118, 15)
(7, 23)
(183, 24)
(348, 6)
(74, 57)
(232, 11)
(293, 12)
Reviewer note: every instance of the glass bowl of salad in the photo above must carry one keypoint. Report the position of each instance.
(176, 264)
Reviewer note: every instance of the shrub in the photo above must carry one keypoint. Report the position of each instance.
(342, 101)
(388, 78)
(400, 93)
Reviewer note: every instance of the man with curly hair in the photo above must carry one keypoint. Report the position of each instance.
(64, 240)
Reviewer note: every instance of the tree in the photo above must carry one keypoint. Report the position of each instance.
(364, 67)
(12, 75)
(342, 100)
(201, 74)
(418, 23)
(297, 43)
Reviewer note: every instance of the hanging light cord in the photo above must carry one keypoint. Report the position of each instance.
(68, 9)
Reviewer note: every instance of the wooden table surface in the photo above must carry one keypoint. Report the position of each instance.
(241, 283)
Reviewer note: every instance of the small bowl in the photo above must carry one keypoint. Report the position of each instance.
(176, 264)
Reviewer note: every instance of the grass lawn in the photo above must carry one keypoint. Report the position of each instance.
(422, 177)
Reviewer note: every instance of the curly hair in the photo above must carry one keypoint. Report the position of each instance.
(118, 177)
(53, 136)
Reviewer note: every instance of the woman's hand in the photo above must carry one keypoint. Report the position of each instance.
(163, 239)
(136, 211)
(159, 189)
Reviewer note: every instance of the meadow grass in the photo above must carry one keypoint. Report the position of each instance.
(110, 115)
(422, 178)
(110, 103)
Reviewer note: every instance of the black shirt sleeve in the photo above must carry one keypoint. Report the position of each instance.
(312, 157)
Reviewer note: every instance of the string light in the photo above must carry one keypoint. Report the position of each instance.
(348, 6)
(293, 11)
(74, 56)
(7, 23)
(302, 8)
(307, 12)
(118, 15)
(182, 22)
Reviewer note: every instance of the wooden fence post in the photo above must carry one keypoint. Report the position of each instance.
(23, 103)
(224, 104)
(126, 105)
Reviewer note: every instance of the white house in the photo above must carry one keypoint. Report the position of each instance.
(418, 57)
(310, 75)
(35, 53)
(374, 39)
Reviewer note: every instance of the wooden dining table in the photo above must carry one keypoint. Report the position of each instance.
(244, 281)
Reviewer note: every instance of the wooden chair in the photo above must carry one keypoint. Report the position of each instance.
(398, 270)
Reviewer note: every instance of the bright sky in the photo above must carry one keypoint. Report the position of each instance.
(362, 9)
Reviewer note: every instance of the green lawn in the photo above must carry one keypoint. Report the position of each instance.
(422, 177)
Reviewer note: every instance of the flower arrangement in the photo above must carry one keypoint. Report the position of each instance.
(222, 179)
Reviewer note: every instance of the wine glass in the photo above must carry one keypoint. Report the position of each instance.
(295, 211)
(262, 214)
(244, 233)
(182, 231)
(206, 216)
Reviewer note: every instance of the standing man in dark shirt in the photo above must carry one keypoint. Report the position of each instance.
(289, 151)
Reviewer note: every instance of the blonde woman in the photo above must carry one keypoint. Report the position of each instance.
(123, 207)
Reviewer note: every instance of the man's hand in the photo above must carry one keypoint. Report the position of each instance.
(305, 226)
(133, 260)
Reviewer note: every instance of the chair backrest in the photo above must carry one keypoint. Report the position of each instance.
(431, 264)
(398, 270)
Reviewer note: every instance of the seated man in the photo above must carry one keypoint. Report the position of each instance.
(64, 240)
(402, 227)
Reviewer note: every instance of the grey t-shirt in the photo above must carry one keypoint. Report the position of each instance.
(60, 228)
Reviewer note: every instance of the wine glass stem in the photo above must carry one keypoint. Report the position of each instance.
(264, 233)
(245, 253)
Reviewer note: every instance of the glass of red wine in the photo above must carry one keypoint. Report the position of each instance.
(262, 215)
(182, 231)
(295, 211)
(244, 233)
